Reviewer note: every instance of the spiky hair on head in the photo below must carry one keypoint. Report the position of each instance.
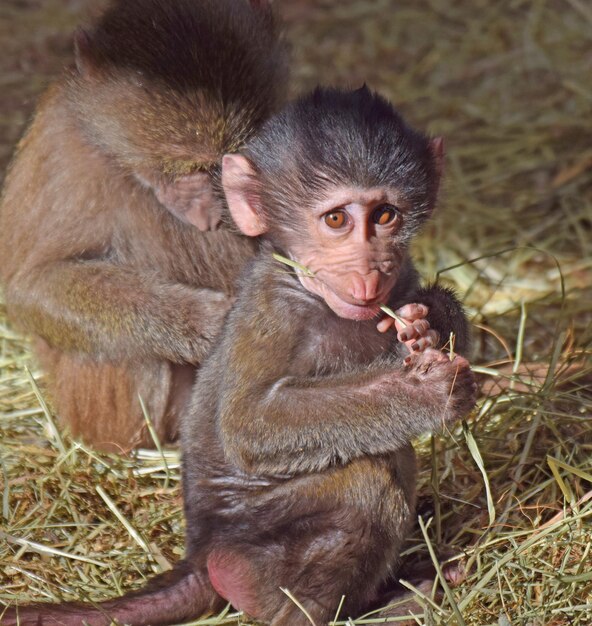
(336, 137)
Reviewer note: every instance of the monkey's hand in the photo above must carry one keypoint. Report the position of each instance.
(201, 324)
(191, 199)
(451, 381)
(416, 332)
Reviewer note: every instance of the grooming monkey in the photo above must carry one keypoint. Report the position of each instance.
(298, 467)
(116, 250)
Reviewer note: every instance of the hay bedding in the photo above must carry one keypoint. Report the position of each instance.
(509, 85)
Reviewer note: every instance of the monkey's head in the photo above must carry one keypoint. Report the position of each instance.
(164, 89)
(339, 183)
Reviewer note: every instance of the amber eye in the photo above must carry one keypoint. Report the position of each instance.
(335, 219)
(384, 214)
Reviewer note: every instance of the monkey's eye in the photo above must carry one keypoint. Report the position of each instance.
(384, 214)
(335, 219)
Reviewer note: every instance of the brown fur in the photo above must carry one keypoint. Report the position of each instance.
(115, 285)
(298, 467)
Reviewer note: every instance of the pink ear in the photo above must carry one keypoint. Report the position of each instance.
(190, 198)
(238, 181)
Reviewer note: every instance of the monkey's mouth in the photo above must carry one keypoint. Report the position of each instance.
(341, 306)
(349, 310)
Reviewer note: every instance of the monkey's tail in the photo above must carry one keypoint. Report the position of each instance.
(169, 598)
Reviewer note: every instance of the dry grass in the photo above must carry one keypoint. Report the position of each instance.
(509, 85)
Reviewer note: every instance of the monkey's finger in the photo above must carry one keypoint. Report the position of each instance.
(385, 324)
(413, 311)
(414, 330)
(429, 340)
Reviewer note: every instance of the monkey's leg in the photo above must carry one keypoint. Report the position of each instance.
(321, 537)
(319, 568)
(100, 401)
(293, 615)
(252, 577)
(170, 598)
(403, 603)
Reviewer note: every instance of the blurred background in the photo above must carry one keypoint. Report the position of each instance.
(508, 84)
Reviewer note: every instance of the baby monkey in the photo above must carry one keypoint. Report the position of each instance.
(298, 468)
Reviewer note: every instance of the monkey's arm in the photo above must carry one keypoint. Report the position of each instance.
(272, 420)
(114, 312)
(307, 424)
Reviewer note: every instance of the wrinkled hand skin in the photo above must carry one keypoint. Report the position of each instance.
(192, 199)
(450, 380)
(416, 333)
(214, 307)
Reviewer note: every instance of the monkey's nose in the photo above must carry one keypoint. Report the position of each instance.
(364, 288)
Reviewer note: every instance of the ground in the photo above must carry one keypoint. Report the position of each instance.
(509, 85)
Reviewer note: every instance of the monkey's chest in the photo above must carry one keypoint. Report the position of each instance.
(346, 346)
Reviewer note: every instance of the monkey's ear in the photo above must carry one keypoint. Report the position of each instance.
(239, 181)
(437, 149)
(189, 198)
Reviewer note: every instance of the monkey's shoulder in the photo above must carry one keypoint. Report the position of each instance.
(271, 295)
(267, 321)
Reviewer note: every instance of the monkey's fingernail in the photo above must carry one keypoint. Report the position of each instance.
(415, 346)
(407, 360)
